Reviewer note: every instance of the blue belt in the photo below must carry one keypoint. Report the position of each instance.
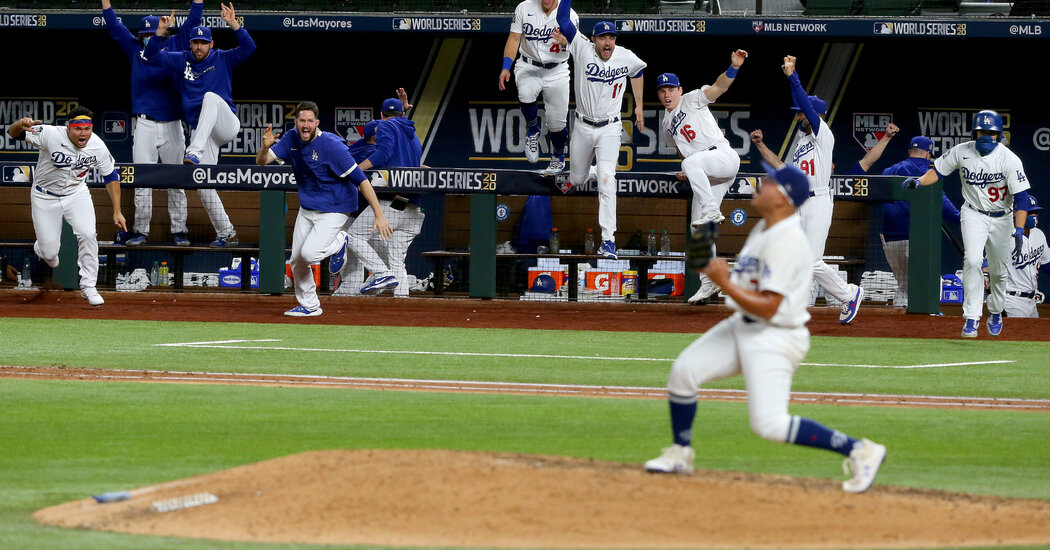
(541, 64)
(42, 190)
(597, 123)
(1022, 294)
(992, 214)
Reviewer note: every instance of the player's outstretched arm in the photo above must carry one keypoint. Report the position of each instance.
(929, 178)
(230, 17)
(153, 48)
(264, 156)
(402, 96)
(20, 127)
(767, 155)
(113, 189)
(872, 156)
(725, 80)
(565, 24)
(799, 94)
(510, 51)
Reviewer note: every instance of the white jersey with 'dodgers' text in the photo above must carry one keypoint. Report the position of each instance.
(692, 126)
(536, 29)
(1024, 267)
(777, 259)
(812, 156)
(986, 181)
(600, 85)
(62, 166)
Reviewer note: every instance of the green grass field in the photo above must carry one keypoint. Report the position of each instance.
(66, 440)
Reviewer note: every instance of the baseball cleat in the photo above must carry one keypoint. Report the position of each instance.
(92, 295)
(223, 242)
(137, 239)
(850, 308)
(191, 159)
(181, 239)
(863, 464)
(676, 459)
(970, 329)
(301, 311)
(608, 250)
(556, 166)
(707, 289)
(532, 147)
(338, 260)
(379, 284)
(707, 217)
(995, 323)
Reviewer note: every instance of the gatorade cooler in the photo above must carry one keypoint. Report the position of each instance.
(608, 282)
(559, 276)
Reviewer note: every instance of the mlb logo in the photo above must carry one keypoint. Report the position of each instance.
(17, 174)
(561, 181)
(350, 122)
(625, 24)
(883, 28)
(115, 126)
(402, 24)
(757, 26)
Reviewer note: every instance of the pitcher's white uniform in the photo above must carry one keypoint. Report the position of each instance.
(599, 87)
(543, 64)
(766, 352)
(1022, 281)
(812, 155)
(708, 161)
(59, 191)
(989, 184)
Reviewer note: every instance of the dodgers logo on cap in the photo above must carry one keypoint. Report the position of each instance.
(200, 33)
(604, 27)
(921, 142)
(667, 79)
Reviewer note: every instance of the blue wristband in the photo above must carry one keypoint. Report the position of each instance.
(731, 71)
(507, 63)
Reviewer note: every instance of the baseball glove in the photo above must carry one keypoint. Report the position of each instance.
(702, 246)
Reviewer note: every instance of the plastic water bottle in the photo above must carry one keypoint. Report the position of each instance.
(27, 274)
(163, 274)
(154, 274)
(588, 242)
(665, 244)
(555, 243)
(650, 247)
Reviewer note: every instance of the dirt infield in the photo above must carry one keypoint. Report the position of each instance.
(652, 317)
(468, 499)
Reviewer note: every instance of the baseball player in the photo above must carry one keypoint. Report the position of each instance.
(351, 276)
(1022, 285)
(323, 167)
(601, 70)
(157, 116)
(67, 155)
(765, 339)
(204, 77)
(397, 145)
(543, 67)
(812, 155)
(709, 162)
(995, 192)
(896, 215)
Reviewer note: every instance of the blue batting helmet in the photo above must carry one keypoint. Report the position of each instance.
(987, 120)
(544, 283)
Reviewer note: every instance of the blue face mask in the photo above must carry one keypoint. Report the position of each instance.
(985, 145)
(1031, 222)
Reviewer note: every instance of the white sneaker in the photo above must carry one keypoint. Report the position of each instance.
(675, 459)
(92, 296)
(716, 217)
(707, 289)
(863, 464)
(556, 166)
(532, 148)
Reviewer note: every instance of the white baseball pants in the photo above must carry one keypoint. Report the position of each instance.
(216, 126)
(382, 258)
(897, 256)
(1016, 306)
(313, 240)
(708, 170)
(982, 235)
(77, 209)
(766, 355)
(531, 81)
(166, 142)
(816, 215)
(602, 146)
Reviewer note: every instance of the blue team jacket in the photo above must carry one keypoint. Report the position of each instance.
(397, 145)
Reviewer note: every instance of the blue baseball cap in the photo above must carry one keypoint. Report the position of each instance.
(792, 182)
(921, 142)
(370, 129)
(604, 27)
(200, 34)
(667, 79)
(818, 105)
(1033, 205)
(149, 24)
(393, 104)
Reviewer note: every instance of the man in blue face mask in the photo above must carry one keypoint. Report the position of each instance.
(1022, 284)
(995, 193)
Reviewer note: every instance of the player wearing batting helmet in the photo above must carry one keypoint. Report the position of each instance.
(765, 339)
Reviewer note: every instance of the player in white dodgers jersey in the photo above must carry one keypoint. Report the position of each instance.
(59, 191)
(813, 155)
(543, 67)
(1022, 282)
(995, 193)
(709, 163)
(765, 339)
(601, 70)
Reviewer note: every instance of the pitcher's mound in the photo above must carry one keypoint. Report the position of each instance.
(474, 499)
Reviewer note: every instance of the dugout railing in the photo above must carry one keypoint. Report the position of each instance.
(483, 187)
